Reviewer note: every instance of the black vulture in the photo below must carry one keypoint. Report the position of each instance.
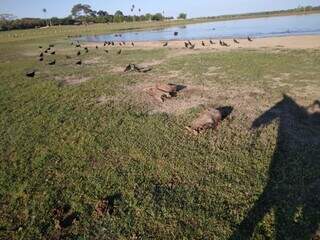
(31, 73)
(53, 62)
(192, 46)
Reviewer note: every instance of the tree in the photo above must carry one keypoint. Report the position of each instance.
(157, 17)
(132, 9)
(102, 13)
(81, 9)
(7, 17)
(148, 17)
(118, 16)
(182, 16)
(44, 10)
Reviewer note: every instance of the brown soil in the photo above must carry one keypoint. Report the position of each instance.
(73, 80)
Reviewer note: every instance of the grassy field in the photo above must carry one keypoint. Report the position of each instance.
(86, 154)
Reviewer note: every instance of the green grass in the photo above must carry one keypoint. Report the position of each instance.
(58, 147)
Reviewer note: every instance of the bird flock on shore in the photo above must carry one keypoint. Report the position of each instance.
(188, 44)
(50, 50)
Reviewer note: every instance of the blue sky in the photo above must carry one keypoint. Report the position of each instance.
(194, 8)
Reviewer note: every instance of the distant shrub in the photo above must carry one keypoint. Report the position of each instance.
(182, 16)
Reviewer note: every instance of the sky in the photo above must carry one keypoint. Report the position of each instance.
(194, 8)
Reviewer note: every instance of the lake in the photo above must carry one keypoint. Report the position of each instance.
(255, 27)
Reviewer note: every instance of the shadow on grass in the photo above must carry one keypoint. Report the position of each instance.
(293, 189)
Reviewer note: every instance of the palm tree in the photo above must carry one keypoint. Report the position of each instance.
(45, 15)
(132, 8)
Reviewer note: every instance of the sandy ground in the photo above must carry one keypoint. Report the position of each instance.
(289, 42)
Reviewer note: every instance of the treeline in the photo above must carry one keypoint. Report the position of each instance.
(306, 9)
(80, 14)
(26, 23)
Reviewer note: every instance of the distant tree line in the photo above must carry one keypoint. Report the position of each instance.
(299, 9)
(80, 14)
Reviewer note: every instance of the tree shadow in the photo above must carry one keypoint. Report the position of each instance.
(292, 192)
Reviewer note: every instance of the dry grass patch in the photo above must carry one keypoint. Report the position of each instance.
(92, 61)
(72, 80)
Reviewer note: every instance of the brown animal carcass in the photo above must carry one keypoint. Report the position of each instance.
(157, 94)
(137, 68)
(209, 118)
(167, 88)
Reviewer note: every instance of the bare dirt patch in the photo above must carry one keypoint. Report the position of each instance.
(153, 62)
(102, 100)
(188, 97)
(92, 61)
(213, 71)
(243, 99)
(72, 80)
(117, 69)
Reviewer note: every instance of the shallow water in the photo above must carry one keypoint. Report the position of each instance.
(255, 27)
